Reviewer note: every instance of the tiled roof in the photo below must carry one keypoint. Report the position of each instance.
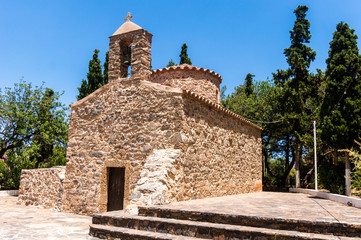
(188, 67)
(220, 108)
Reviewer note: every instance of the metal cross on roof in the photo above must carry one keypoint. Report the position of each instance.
(128, 17)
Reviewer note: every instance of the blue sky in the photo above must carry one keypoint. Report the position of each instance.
(53, 41)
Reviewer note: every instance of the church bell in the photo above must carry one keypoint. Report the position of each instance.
(128, 54)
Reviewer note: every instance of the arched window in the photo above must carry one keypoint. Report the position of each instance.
(125, 57)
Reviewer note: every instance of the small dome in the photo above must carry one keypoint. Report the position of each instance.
(201, 81)
(187, 67)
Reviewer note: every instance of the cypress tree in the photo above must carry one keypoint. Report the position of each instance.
(94, 76)
(294, 81)
(83, 90)
(170, 63)
(184, 59)
(341, 107)
(340, 110)
(249, 84)
(105, 72)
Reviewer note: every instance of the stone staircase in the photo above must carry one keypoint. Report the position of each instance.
(163, 223)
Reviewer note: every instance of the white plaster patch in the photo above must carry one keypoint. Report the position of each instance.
(155, 179)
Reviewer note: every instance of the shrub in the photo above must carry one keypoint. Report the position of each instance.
(332, 177)
(57, 159)
(356, 171)
(277, 166)
(10, 170)
(18, 159)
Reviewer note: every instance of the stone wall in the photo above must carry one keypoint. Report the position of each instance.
(174, 146)
(43, 187)
(198, 80)
(119, 125)
(221, 154)
(216, 153)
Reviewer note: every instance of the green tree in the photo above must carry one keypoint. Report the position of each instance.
(94, 76)
(340, 110)
(33, 129)
(171, 63)
(263, 108)
(249, 84)
(42, 134)
(184, 59)
(257, 106)
(341, 107)
(223, 93)
(83, 90)
(51, 131)
(31, 116)
(105, 71)
(295, 82)
(11, 166)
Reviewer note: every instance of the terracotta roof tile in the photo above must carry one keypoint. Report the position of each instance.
(220, 108)
(188, 67)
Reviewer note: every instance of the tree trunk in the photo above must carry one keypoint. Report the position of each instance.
(307, 179)
(288, 166)
(287, 173)
(298, 176)
(5, 148)
(335, 158)
(263, 164)
(268, 170)
(287, 162)
(347, 175)
(2, 152)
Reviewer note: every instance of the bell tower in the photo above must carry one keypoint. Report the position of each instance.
(129, 52)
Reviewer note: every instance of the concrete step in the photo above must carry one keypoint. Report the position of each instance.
(319, 227)
(112, 233)
(195, 229)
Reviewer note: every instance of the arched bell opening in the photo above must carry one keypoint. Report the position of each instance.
(129, 52)
(125, 57)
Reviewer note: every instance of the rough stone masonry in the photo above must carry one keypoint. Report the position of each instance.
(165, 128)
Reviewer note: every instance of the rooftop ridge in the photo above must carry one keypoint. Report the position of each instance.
(127, 27)
(218, 107)
(188, 67)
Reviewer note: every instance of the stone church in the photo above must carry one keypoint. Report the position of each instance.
(150, 137)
